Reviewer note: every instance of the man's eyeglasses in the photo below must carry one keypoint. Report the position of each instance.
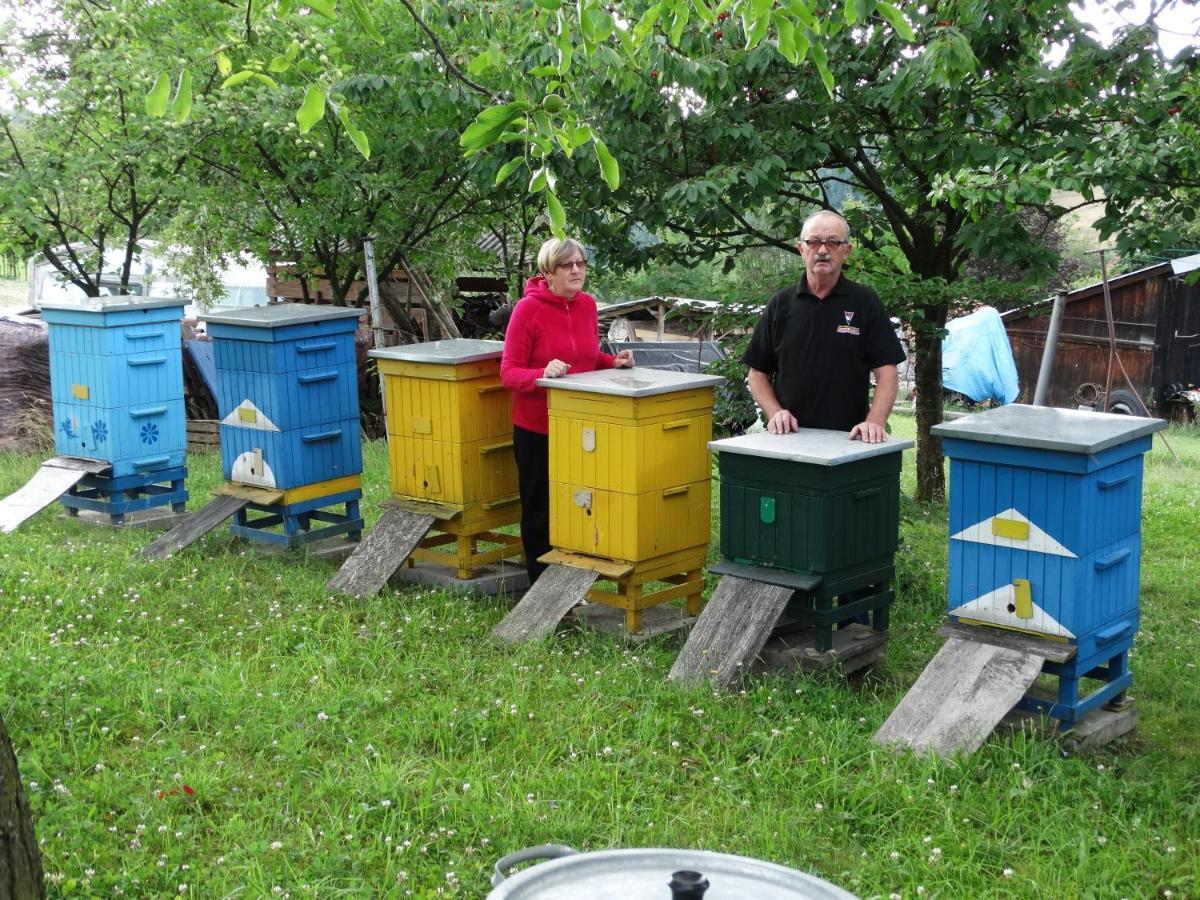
(577, 264)
(832, 244)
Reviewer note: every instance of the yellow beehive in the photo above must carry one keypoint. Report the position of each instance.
(629, 463)
(449, 423)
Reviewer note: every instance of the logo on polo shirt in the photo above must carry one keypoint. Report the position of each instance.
(848, 328)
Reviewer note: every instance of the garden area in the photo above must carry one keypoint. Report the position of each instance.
(222, 723)
(217, 726)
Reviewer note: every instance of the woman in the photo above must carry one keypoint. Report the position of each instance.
(552, 332)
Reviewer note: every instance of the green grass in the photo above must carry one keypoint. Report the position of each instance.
(384, 747)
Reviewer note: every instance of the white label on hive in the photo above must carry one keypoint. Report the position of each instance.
(251, 468)
(1000, 607)
(247, 415)
(1038, 541)
(589, 440)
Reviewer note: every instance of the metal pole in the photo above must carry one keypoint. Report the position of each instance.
(1043, 380)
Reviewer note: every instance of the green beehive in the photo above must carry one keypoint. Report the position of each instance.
(811, 502)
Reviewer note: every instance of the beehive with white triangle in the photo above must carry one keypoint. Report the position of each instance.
(287, 387)
(1045, 525)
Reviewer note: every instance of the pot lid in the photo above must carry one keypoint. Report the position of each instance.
(645, 874)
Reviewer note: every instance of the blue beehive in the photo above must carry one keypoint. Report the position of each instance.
(288, 394)
(116, 376)
(1045, 533)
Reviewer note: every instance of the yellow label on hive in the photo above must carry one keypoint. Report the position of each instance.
(247, 415)
(80, 391)
(1010, 528)
(1023, 598)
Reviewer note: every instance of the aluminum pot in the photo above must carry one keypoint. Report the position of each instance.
(652, 874)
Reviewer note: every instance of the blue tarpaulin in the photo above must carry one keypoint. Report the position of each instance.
(977, 359)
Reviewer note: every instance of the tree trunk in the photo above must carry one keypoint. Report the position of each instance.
(20, 861)
(931, 476)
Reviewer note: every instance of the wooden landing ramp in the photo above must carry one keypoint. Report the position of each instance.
(731, 631)
(194, 527)
(555, 592)
(960, 698)
(380, 553)
(51, 481)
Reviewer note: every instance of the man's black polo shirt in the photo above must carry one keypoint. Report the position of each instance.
(820, 353)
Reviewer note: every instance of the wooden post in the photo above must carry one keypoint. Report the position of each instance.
(368, 243)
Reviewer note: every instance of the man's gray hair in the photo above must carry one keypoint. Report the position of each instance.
(825, 213)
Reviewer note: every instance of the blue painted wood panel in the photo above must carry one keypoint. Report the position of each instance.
(1081, 512)
(294, 399)
(1081, 594)
(115, 380)
(134, 439)
(106, 333)
(240, 348)
(298, 456)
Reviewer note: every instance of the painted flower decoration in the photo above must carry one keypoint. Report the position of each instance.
(149, 433)
(68, 427)
(99, 431)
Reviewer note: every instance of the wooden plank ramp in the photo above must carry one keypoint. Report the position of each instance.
(960, 698)
(731, 631)
(551, 597)
(381, 552)
(54, 478)
(194, 527)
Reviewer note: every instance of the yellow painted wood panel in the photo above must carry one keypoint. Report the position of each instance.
(631, 527)
(453, 473)
(613, 408)
(631, 458)
(438, 371)
(456, 411)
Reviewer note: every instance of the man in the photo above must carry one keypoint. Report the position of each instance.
(814, 348)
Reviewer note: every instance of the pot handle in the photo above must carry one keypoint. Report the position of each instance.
(543, 851)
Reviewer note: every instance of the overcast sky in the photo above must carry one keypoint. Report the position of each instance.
(1177, 24)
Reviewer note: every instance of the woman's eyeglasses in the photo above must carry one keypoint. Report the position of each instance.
(577, 264)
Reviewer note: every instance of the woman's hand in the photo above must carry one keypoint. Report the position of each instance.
(624, 360)
(556, 368)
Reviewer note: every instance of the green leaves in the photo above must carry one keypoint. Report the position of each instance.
(160, 95)
(156, 100)
(237, 78)
(324, 8)
(362, 14)
(181, 106)
(312, 109)
(357, 136)
(608, 165)
(508, 168)
(490, 124)
(896, 19)
(558, 218)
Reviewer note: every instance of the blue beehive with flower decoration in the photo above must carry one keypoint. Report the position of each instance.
(287, 389)
(116, 380)
(1045, 537)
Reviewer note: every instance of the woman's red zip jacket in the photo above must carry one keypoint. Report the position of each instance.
(545, 326)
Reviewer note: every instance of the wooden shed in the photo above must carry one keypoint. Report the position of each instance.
(1156, 325)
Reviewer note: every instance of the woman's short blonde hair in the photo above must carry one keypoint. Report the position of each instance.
(555, 252)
